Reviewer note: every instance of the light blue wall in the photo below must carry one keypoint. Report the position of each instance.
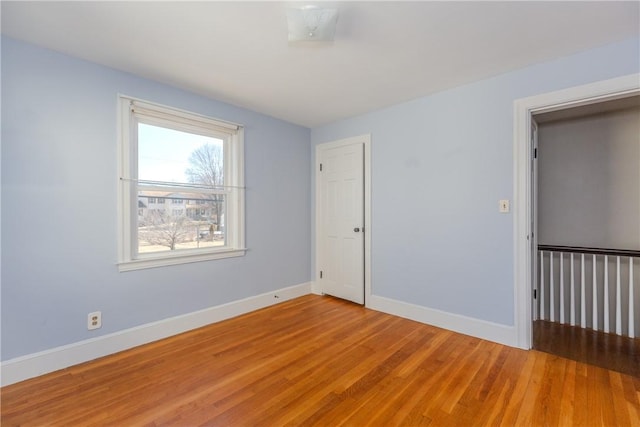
(59, 178)
(439, 166)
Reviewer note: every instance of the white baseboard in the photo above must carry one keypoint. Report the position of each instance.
(454, 322)
(316, 289)
(33, 365)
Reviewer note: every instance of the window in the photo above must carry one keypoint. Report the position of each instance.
(167, 154)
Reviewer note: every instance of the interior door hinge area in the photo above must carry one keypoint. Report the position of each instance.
(320, 167)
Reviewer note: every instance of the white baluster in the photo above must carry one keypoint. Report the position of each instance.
(606, 294)
(542, 285)
(552, 290)
(572, 308)
(618, 299)
(561, 288)
(594, 310)
(632, 333)
(583, 300)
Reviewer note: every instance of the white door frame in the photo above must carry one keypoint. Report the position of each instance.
(366, 140)
(524, 108)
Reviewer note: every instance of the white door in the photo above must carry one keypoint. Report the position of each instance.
(341, 221)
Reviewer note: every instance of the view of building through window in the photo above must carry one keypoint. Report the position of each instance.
(181, 200)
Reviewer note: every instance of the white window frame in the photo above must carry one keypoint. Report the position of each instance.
(133, 111)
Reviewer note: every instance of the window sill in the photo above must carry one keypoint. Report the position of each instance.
(176, 259)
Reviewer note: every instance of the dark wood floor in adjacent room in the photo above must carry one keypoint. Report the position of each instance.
(615, 352)
(322, 361)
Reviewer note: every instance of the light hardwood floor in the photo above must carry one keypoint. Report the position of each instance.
(322, 361)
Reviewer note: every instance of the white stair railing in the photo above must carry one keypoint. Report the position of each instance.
(589, 298)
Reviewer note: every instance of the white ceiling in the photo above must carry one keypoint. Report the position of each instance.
(384, 52)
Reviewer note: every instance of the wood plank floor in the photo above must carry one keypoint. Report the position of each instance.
(615, 352)
(321, 361)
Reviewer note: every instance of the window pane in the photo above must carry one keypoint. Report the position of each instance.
(169, 155)
(198, 222)
(169, 221)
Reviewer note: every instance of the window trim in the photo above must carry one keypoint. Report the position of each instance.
(129, 112)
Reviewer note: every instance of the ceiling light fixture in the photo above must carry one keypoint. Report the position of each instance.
(312, 23)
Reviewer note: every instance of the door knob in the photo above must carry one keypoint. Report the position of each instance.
(356, 229)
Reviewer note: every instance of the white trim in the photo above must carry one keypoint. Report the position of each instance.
(179, 257)
(366, 141)
(523, 110)
(367, 218)
(454, 322)
(123, 190)
(32, 365)
(316, 289)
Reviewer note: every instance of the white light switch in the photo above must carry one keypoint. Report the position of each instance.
(504, 206)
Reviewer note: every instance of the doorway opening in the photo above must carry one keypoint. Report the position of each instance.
(586, 202)
(526, 251)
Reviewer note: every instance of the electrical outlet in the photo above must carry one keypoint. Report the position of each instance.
(94, 320)
(504, 206)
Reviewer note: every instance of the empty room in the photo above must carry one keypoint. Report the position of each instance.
(322, 213)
